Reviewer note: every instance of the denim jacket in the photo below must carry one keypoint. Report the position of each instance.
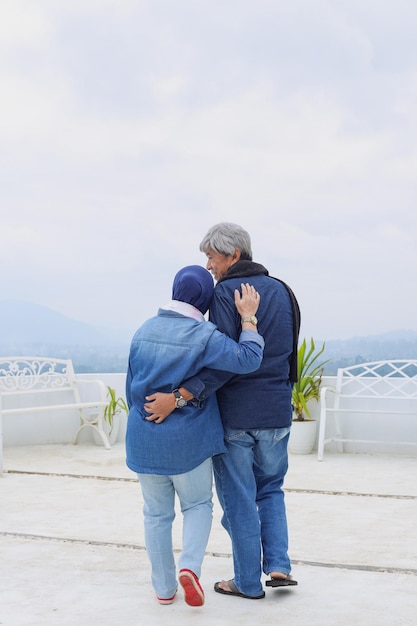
(166, 350)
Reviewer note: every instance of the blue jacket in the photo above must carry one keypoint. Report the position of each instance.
(165, 350)
(261, 399)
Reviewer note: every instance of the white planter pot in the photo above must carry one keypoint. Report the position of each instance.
(302, 437)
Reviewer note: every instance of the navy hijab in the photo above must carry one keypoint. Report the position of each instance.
(194, 284)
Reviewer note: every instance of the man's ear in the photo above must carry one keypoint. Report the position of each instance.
(236, 255)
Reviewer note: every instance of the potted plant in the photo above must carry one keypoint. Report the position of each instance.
(112, 413)
(307, 388)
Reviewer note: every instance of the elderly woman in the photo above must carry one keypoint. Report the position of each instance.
(173, 455)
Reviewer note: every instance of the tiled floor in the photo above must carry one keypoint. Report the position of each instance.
(72, 548)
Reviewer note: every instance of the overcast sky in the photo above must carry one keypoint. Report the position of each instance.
(128, 128)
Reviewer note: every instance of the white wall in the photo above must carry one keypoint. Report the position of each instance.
(50, 427)
(47, 428)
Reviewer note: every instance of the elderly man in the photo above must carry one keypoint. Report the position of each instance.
(256, 414)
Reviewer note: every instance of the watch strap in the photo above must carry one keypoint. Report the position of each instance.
(251, 319)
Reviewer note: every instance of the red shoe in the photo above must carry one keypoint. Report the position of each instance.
(167, 600)
(193, 592)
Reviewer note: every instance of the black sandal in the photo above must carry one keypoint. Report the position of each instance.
(234, 591)
(281, 582)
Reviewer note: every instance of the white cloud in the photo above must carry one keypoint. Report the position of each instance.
(128, 128)
(23, 24)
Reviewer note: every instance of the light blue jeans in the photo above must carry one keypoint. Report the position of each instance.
(249, 480)
(195, 493)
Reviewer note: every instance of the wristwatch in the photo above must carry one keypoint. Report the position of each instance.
(180, 401)
(252, 319)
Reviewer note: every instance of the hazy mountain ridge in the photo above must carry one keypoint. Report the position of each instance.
(30, 329)
(396, 344)
(25, 322)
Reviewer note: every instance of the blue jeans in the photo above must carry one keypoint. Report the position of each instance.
(195, 494)
(249, 480)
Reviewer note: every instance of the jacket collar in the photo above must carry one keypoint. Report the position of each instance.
(244, 268)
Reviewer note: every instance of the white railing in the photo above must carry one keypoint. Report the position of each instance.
(33, 432)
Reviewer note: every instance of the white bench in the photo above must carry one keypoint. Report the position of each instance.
(371, 399)
(31, 385)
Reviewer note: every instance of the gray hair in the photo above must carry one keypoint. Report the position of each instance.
(225, 238)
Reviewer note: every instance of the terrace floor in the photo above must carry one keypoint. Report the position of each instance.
(72, 546)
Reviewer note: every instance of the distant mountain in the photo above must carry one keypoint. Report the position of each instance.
(30, 329)
(25, 322)
(398, 344)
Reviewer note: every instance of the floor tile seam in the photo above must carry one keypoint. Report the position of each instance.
(125, 479)
(358, 494)
(214, 554)
(324, 492)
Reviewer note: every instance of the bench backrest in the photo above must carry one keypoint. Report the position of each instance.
(394, 380)
(22, 376)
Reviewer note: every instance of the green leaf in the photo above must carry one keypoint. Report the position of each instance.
(114, 405)
(310, 373)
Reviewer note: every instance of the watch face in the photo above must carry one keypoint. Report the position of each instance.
(179, 400)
